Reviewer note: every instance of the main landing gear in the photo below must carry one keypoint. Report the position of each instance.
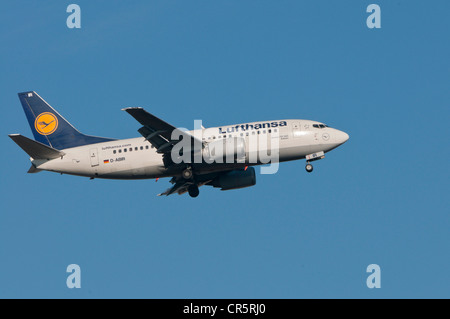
(193, 190)
(188, 176)
(187, 173)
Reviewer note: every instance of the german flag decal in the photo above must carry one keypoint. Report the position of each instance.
(105, 161)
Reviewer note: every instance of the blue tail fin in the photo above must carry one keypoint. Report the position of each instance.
(49, 127)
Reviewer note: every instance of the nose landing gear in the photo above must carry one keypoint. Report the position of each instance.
(313, 157)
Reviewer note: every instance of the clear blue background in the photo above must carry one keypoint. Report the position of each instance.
(381, 198)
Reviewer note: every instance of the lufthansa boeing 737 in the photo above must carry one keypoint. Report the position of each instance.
(221, 157)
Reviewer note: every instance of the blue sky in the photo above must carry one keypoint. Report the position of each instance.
(381, 198)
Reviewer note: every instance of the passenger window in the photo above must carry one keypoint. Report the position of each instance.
(136, 148)
(120, 151)
(242, 134)
(142, 147)
(114, 152)
(124, 150)
(146, 147)
(270, 131)
(131, 149)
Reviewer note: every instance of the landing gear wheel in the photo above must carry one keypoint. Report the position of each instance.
(187, 173)
(309, 168)
(193, 191)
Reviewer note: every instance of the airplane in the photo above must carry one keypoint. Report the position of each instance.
(60, 147)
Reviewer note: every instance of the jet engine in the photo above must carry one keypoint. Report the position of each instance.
(239, 178)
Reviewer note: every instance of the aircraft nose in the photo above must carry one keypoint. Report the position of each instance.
(342, 137)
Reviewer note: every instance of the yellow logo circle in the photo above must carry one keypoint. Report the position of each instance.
(46, 123)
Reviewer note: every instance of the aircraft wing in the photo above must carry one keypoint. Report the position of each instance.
(157, 131)
(181, 186)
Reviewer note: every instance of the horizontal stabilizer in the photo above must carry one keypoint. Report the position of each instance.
(35, 149)
(33, 169)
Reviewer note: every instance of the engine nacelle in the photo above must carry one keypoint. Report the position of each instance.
(227, 150)
(235, 179)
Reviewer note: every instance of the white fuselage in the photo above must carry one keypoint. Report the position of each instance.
(136, 158)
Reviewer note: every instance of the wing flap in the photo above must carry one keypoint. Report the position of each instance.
(151, 122)
(152, 136)
(159, 132)
(181, 186)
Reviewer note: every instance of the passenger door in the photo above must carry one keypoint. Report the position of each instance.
(296, 129)
(93, 154)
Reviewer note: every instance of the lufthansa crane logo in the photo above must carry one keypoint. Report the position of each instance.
(46, 123)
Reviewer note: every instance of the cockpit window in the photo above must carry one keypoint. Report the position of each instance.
(320, 125)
